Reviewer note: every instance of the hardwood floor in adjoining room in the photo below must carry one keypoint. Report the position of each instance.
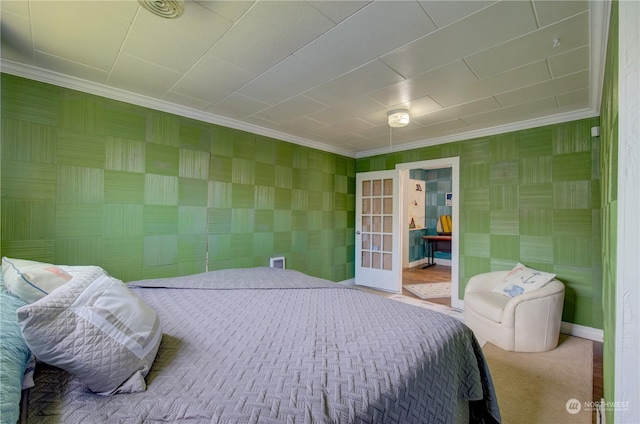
(433, 274)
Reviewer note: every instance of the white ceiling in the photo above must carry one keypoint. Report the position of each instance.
(325, 73)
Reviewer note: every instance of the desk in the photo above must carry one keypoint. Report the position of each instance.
(430, 248)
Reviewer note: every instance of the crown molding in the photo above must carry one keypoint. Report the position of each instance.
(600, 11)
(484, 132)
(73, 83)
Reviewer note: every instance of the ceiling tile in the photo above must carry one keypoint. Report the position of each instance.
(444, 128)
(351, 125)
(532, 47)
(15, 34)
(423, 105)
(445, 12)
(578, 97)
(286, 79)
(569, 62)
(355, 83)
(19, 8)
(132, 74)
(68, 67)
(302, 124)
(478, 89)
(58, 32)
(289, 110)
(237, 106)
(269, 32)
(492, 25)
(550, 12)
(506, 114)
(366, 36)
(347, 110)
(212, 79)
(546, 89)
(338, 11)
(162, 41)
(186, 101)
(453, 75)
(231, 10)
(471, 108)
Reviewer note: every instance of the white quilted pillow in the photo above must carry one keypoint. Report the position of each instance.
(95, 328)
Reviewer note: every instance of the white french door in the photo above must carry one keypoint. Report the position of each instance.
(378, 253)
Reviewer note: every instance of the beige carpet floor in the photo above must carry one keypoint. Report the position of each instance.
(536, 387)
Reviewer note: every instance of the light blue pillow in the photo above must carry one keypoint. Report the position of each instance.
(14, 357)
(522, 279)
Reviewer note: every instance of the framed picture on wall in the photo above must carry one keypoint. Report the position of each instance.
(448, 198)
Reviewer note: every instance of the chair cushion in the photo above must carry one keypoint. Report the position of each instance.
(489, 305)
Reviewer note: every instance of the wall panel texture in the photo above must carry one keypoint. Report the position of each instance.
(144, 193)
(530, 196)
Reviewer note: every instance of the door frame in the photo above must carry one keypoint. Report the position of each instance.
(454, 164)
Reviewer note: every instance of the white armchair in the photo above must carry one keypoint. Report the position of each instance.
(529, 322)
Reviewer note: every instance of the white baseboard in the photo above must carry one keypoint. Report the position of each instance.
(349, 282)
(423, 261)
(590, 333)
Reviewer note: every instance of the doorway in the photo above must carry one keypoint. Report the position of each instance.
(413, 273)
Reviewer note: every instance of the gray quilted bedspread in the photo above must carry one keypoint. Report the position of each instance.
(262, 345)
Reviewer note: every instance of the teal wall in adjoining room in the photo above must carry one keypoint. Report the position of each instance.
(530, 196)
(144, 193)
(437, 184)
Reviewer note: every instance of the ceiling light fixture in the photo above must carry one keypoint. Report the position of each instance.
(398, 118)
(169, 9)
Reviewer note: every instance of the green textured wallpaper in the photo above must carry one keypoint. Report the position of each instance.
(143, 193)
(531, 196)
(609, 189)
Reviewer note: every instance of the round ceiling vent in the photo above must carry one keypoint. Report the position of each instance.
(169, 9)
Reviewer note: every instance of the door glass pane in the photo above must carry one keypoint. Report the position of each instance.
(366, 224)
(388, 187)
(377, 188)
(366, 242)
(377, 205)
(376, 261)
(366, 259)
(388, 206)
(376, 242)
(366, 188)
(387, 246)
(377, 224)
(387, 262)
(366, 205)
(388, 224)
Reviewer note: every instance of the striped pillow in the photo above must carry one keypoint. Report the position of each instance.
(31, 280)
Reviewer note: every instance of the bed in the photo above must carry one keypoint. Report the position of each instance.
(266, 345)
